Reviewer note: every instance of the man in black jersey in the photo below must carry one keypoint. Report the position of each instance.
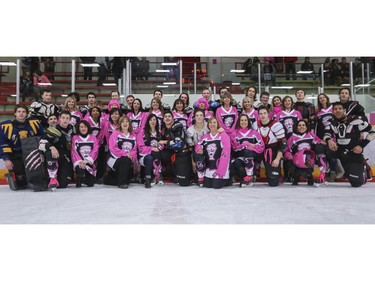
(345, 139)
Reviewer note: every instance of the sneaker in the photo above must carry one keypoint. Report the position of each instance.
(160, 182)
(153, 182)
(53, 184)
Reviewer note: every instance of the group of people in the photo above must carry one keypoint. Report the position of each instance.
(212, 143)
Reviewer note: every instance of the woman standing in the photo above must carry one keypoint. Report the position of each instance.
(178, 111)
(71, 106)
(137, 116)
(227, 114)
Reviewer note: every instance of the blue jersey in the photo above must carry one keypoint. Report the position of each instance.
(11, 133)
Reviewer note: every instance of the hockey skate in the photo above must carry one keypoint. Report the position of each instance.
(247, 181)
(53, 184)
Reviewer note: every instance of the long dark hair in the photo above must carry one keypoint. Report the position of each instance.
(175, 103)
(140, 108)
(238, 126)
(147, 129)
(87, 124)
(113, 110)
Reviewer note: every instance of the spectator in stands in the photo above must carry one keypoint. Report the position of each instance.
(26, 87)
(103, 69)
(344, 70)
(174, 72)
(254, 69)
(307, 66)
(117, 67)
(144, 67)
(357, 70)
(87, 71)
(290, 67)
(326, 72)
(247, 66)
(335, 72)
(40, 80)
(49, 66)
(269, 73)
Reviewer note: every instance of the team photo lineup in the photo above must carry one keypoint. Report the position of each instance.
(211, 143)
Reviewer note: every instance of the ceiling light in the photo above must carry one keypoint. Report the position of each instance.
(311, 98)
(109, 84)
(161, 70)
(162, 86)
(44, 84)
(362, 85)
(236, 83)
(282, 87)
(169, 63)
(7, 63)
(64, 96)
(237, 70)
(90, 65)
(14, 95)
(169, 83)
(345, 85)
(305, 72)
(169, 95)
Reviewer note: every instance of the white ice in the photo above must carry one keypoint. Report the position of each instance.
(337, 203)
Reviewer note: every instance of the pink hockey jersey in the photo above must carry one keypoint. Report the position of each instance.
(242, 139)
(138, 121)
(217, 149)
(288, 120)
(85, 149)
(299, 142)
(227, 118)
(182, 118)
(76, 117)
(96, 128)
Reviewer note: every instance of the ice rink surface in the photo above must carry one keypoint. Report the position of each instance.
(337, 203)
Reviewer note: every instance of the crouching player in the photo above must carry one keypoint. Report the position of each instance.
(345, 139)
(84, 153)
(302, 148)
(11, 133)
(246, 144)
(56, 144)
